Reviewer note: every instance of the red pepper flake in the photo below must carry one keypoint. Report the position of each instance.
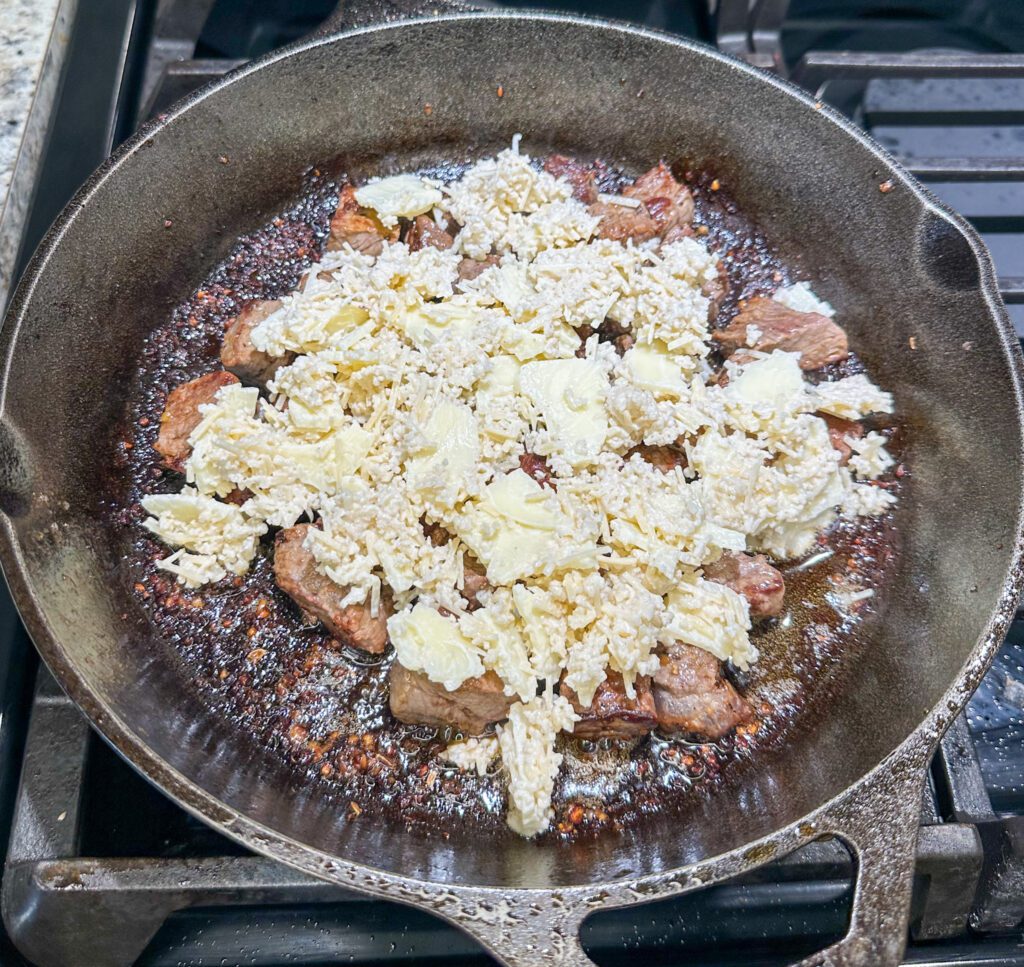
(140, 587)
(128, 444)
(715, 185)
(501, 91)
(886, 186)
(256, 655)
(326, 769)
(702, 230)
(428, 109)
(575, 814)
(144, 421)
(222, 674)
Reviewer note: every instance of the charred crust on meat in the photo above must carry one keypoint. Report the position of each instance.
(181, 416)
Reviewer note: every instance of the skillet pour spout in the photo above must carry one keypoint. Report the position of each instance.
(899, 263)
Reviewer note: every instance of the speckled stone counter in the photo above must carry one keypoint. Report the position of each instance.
(34, 36)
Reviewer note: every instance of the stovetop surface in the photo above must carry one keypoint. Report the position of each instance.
(773, 916)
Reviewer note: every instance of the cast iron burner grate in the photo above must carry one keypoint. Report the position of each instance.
(104, 870)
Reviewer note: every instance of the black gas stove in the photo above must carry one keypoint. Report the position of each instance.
(101, 869)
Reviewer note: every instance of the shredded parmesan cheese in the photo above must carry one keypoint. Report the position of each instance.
(473, 754)
(527, 742)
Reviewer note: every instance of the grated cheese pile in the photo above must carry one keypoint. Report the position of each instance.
(411, 399)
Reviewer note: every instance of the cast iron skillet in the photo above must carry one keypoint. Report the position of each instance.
(898, 263)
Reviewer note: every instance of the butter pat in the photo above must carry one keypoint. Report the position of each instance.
(517, 529)
(432, 321)
(570, 394)
(403, 196)
(451, 452)
(653, 368)
(772, 381)
(426, 641)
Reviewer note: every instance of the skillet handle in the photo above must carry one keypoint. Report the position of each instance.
(879, 823)
(350, 14)
(529, 931)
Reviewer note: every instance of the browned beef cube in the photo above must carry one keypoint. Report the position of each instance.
(613, 714)
(752, 576)
(584, 184)
(469, 269)
(357, 227)
(665, 459)
(838, 431)
(692, 696)
(426, 233)
(240, 356)
(474, 705)
(320, 598)
(537, 467)
(474, 575)
(668, 201)
(474, 580)
(666, 206)
(817, 338)
(181, 416)
(621, 224)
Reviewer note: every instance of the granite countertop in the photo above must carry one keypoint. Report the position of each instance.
(34, 37)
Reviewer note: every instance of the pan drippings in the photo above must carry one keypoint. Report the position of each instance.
(324, 707)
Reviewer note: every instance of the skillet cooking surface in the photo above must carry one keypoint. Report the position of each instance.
(896, 263)
(325, 708)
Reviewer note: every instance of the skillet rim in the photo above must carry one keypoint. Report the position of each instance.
(912, 752)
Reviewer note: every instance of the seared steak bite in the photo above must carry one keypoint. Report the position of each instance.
(838, 431)
(665, 206)
(474, 575)
(817, 338)
(320, 598)
(353, 225)
(534, 465)
(584, 184)
(474, 580)
(240, 356)
(474, 705)
(469, 269)
(612, 714)
(752, 576)
(426, 233)
(668, 201)
(181, 416)
(692, 696)
(665, 459)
